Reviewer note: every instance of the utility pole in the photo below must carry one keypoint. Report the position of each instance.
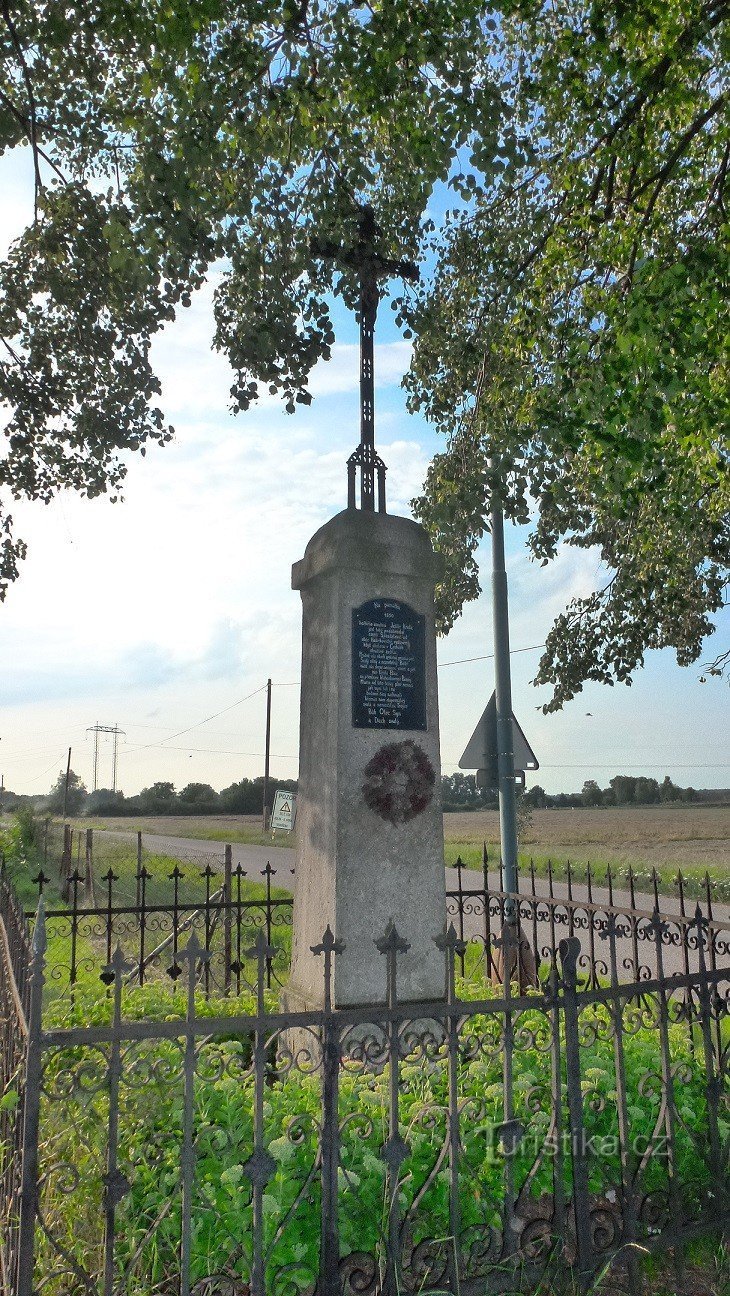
(503, 682)
(265, 807)
(65, 788)
(114, 758)
(116, 733)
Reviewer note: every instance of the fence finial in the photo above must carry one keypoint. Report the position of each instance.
(391, 942)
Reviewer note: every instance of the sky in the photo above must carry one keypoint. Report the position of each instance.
(165, 614)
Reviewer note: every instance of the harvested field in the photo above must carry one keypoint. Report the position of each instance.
(693, 837)
(686, 836)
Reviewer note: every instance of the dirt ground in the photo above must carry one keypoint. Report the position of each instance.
(654, 835)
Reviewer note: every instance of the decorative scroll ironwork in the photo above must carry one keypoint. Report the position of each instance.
(490, 1136)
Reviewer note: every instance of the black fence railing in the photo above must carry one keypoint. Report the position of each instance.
(15, 972)
(491, 1140)
(150, 910)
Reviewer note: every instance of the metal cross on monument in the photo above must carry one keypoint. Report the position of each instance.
(372, 267)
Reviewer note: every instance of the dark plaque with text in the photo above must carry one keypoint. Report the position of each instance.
(388, 666)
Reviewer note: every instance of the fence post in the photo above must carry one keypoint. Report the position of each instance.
(395, 1150)
(569, 952)
(714, 1081)
(142, 877)
(31, 1114)
(660, 931)
(268, 873)
(175, 969)
(139, 864)
(227, 933)
(74, 880)
(89, 870)
(260, 1166)
(207, 874)
(116, 1184)
(487, 914)
(329, 1255)
(462, 953)
(450, 945)
(193, 954)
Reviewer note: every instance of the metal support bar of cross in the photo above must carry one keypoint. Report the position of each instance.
(371, 267)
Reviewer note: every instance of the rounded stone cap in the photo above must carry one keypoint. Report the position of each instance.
(358, 541)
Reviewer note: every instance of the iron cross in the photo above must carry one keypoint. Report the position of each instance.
(372, 267)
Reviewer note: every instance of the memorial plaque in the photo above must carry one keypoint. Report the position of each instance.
(388, 666)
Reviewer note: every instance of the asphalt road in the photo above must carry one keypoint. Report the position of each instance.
(255, 858)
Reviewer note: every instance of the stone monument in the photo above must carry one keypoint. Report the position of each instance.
(369, 821)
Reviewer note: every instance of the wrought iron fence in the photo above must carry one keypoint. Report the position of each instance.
(457, 1146)
(153, 912)
(479, 914)
(150, 909)
(15, 970)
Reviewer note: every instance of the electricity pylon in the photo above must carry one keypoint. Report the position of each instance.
(110, 729)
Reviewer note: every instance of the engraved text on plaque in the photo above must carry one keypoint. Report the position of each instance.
(388, 666)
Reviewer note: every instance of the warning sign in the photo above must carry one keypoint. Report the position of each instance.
(284, 811)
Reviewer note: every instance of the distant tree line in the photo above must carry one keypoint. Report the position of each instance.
(459, 792)
(244, 798)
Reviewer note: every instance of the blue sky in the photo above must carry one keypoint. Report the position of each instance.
(176, 604)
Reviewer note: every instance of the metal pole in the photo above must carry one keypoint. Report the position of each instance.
(505, 753)
(265, 807)
(65, 789)
(114, 759)
(96, 757)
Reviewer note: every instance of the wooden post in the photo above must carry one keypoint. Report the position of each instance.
(65, 869)
(65, 788)
(89, 870)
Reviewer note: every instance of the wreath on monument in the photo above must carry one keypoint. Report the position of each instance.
(399, 782)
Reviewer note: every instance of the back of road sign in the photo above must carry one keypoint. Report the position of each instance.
(284, 811)
(481, 749)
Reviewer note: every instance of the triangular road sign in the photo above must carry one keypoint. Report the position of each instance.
(481, 749)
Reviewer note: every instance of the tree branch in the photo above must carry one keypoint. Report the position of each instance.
(25, 123)
(31, 103)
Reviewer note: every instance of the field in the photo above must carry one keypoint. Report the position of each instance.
(220, 828)
(680, 836)
(694, 838)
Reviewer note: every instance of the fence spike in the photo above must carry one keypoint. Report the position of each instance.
(329, 944)
(450, 940)
(391, 942)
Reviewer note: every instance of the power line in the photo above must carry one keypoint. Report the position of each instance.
(224, 751)
(651, 765)
(488, 656)
(461, 661)
(50, 767)
(198, 723)
(618, 766)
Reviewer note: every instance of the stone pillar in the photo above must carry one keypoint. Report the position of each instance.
(369, 820)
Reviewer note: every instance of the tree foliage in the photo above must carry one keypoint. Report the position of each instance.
(574, 344)
(170, 141)
(58, 800)
(576, 326)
